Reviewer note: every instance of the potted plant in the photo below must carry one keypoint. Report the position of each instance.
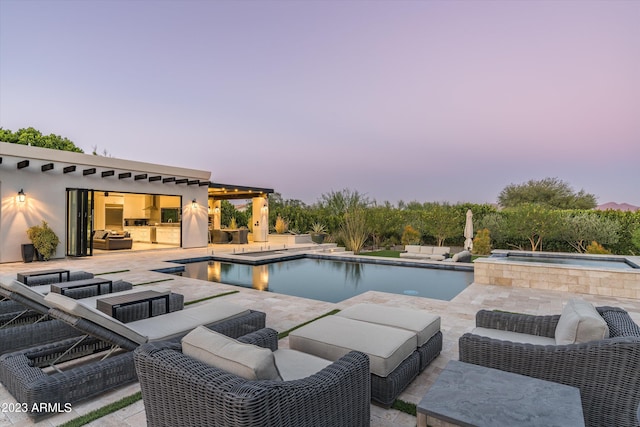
(44, 239)
(318, 232)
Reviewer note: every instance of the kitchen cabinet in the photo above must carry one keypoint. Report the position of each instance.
(134, 206)
(139, 234)
(168, 235)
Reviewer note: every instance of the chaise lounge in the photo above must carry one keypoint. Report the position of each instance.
(22, 371)
(215, 381)
(573, 348)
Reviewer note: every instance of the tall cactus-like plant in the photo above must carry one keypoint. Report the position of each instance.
(354, 230)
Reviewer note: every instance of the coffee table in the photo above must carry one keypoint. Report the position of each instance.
(24, 277)
(470, 395)
(110, 305)
(62, 288)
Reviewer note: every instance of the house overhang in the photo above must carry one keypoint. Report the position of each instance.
(220, 191)
(23, 157)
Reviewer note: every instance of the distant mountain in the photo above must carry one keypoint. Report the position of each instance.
(618, 206)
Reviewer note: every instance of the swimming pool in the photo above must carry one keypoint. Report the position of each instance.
(582, 260)
(331, 280)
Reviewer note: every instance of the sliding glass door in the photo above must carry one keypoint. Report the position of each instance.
(79, 222)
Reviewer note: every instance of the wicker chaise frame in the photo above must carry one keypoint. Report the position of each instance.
(607, 371)
(23, 377)
(34, 334)
(180, 391)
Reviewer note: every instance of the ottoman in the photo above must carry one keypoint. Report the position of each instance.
(394, 360)
(426, 326)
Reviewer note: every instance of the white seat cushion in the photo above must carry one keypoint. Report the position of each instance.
(426, 250)
(170, 325)
(513, 336)
(580, 322)
(244, 360)
(295, 365)
(441, 250)
(333, 336)
(174, 324)
(422, 323)
(412, 249)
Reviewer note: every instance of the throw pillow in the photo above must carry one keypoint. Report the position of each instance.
(580, 322)
(244, 360)
(620, 323)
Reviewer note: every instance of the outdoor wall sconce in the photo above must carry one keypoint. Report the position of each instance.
(194, 204)
(21, 196)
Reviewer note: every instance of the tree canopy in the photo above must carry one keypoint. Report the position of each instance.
(35, 138)
(551, 193)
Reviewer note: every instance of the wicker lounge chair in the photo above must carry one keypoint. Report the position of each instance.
(23, 376)
(179, 390)
(606, 371)
(32, 325)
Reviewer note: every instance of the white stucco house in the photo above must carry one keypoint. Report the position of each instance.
(82, 195)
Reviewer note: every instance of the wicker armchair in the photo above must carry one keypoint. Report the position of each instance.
(606, 371)
(180, 391)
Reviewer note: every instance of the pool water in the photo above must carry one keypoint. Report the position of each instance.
(333, 281)
(568, 260)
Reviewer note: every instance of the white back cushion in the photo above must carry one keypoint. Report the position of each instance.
(580, 322)
(244, 360)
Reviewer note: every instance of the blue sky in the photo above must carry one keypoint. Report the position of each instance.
(403, 100)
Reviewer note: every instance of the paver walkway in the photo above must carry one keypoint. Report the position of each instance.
(284, 312)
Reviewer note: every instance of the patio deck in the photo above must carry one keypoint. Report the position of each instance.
(284, 312)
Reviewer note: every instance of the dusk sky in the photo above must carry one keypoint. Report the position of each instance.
(399, 100)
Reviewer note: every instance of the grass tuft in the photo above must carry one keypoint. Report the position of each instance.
(406, 407)
(211, 297)
(383, 253)
(286, 333)
(153, 281)
(105, 410)
(111, 272)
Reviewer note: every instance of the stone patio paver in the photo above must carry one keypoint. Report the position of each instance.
(284, 312)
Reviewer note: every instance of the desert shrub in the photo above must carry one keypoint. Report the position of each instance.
(233, 224)
(596, 248)
(354, 230)
(410, 236)
(282, 225)
(482, 242)
(635, 238)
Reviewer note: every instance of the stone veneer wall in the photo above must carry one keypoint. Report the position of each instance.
(581, 280)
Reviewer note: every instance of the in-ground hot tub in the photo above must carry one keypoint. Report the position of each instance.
(579, 273)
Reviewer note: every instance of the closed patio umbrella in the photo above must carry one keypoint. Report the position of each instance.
(468, 231)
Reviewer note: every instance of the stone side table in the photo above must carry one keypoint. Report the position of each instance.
(474, 396)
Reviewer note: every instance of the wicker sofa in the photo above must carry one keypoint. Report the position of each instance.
(179, 390)
(606, 370)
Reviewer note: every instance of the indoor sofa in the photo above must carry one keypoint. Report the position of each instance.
(106, 240)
